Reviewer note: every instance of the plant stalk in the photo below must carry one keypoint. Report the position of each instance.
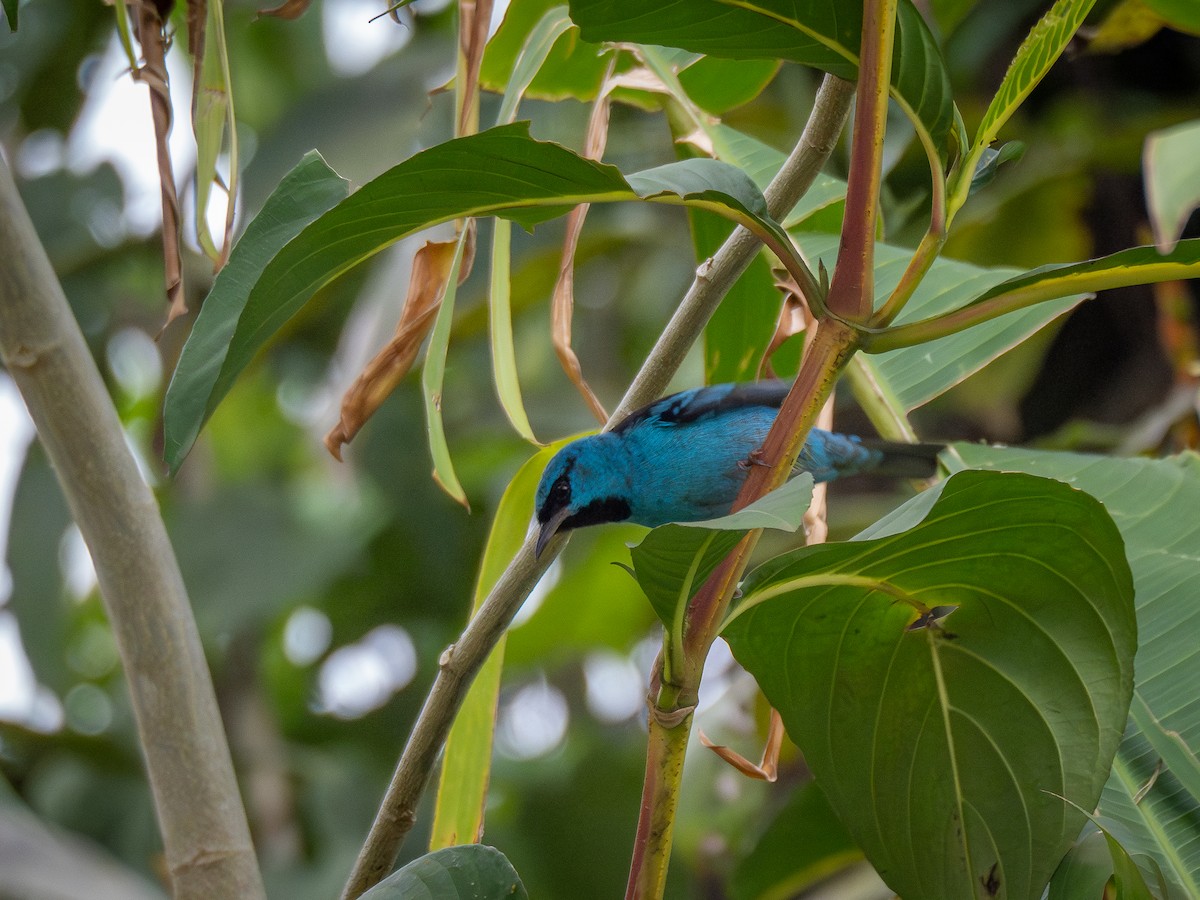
(665, 753)
(834, 344)
(984, 310)
(200, 813)
(671, 712)
(852, 291)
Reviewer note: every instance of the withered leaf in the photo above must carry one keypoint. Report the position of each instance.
(426, 287)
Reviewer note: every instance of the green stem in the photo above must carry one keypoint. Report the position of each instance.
(985, 310)
(924, 257)
(665, 754)
(670, 721)
(878, 401)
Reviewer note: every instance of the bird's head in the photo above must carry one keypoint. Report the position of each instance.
(586, 483)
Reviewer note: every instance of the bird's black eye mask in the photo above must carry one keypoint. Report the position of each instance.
(599, 512)
(558, 497)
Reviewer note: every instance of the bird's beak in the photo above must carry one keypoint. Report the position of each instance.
(549, 529)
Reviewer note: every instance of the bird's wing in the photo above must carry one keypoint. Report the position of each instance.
(688, 406)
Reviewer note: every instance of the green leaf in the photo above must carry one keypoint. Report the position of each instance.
(304, 193)
(1127, 879)
(1041, 47)
(783, 509)
(541, 40)
(1084, 871)
(804, 845)
(673, 561)
(740, 330)
(1003, 301)
(810, 32)
(946, 682)
(572, 68)
(1183, 15)
(432, 377)
(1171, 164)
(214, 123)
(1137, 265)
(39, 599)
(504, 353)
(991, 160)
(719, 85)
(10, 13)
(528, 182)
(918, 374)
(467, 762)
(467, 872)
(1153, 503)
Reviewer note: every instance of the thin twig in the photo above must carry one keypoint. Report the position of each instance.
(200, 814)
(462, 661)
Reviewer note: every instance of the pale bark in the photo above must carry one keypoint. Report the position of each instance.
(206, 840)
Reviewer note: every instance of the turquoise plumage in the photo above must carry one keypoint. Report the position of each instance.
(684, 458)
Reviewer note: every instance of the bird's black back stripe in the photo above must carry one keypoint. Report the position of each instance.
(679, 409)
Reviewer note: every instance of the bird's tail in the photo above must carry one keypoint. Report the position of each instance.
(899, 460)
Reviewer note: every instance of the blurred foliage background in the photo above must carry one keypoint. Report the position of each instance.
(325, 591)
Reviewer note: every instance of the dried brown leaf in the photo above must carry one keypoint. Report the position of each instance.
(474, 17)
(154, 73)
(794, 318)
(289, 9)
(563, 303)
(426, 287)
(197, 20)
(768, 768)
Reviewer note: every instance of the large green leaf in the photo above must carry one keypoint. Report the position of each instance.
(811, 32)
(918, 374)
(304, 193)
(1154, 504)
(527, 181)
(951, 683)
(1084, 871)
(468, 872)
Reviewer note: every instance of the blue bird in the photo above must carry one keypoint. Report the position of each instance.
(684, 458)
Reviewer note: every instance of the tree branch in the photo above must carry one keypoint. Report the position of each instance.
(205, 836)
(462, 661)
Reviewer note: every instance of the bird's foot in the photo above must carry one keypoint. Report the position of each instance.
(755, 458)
